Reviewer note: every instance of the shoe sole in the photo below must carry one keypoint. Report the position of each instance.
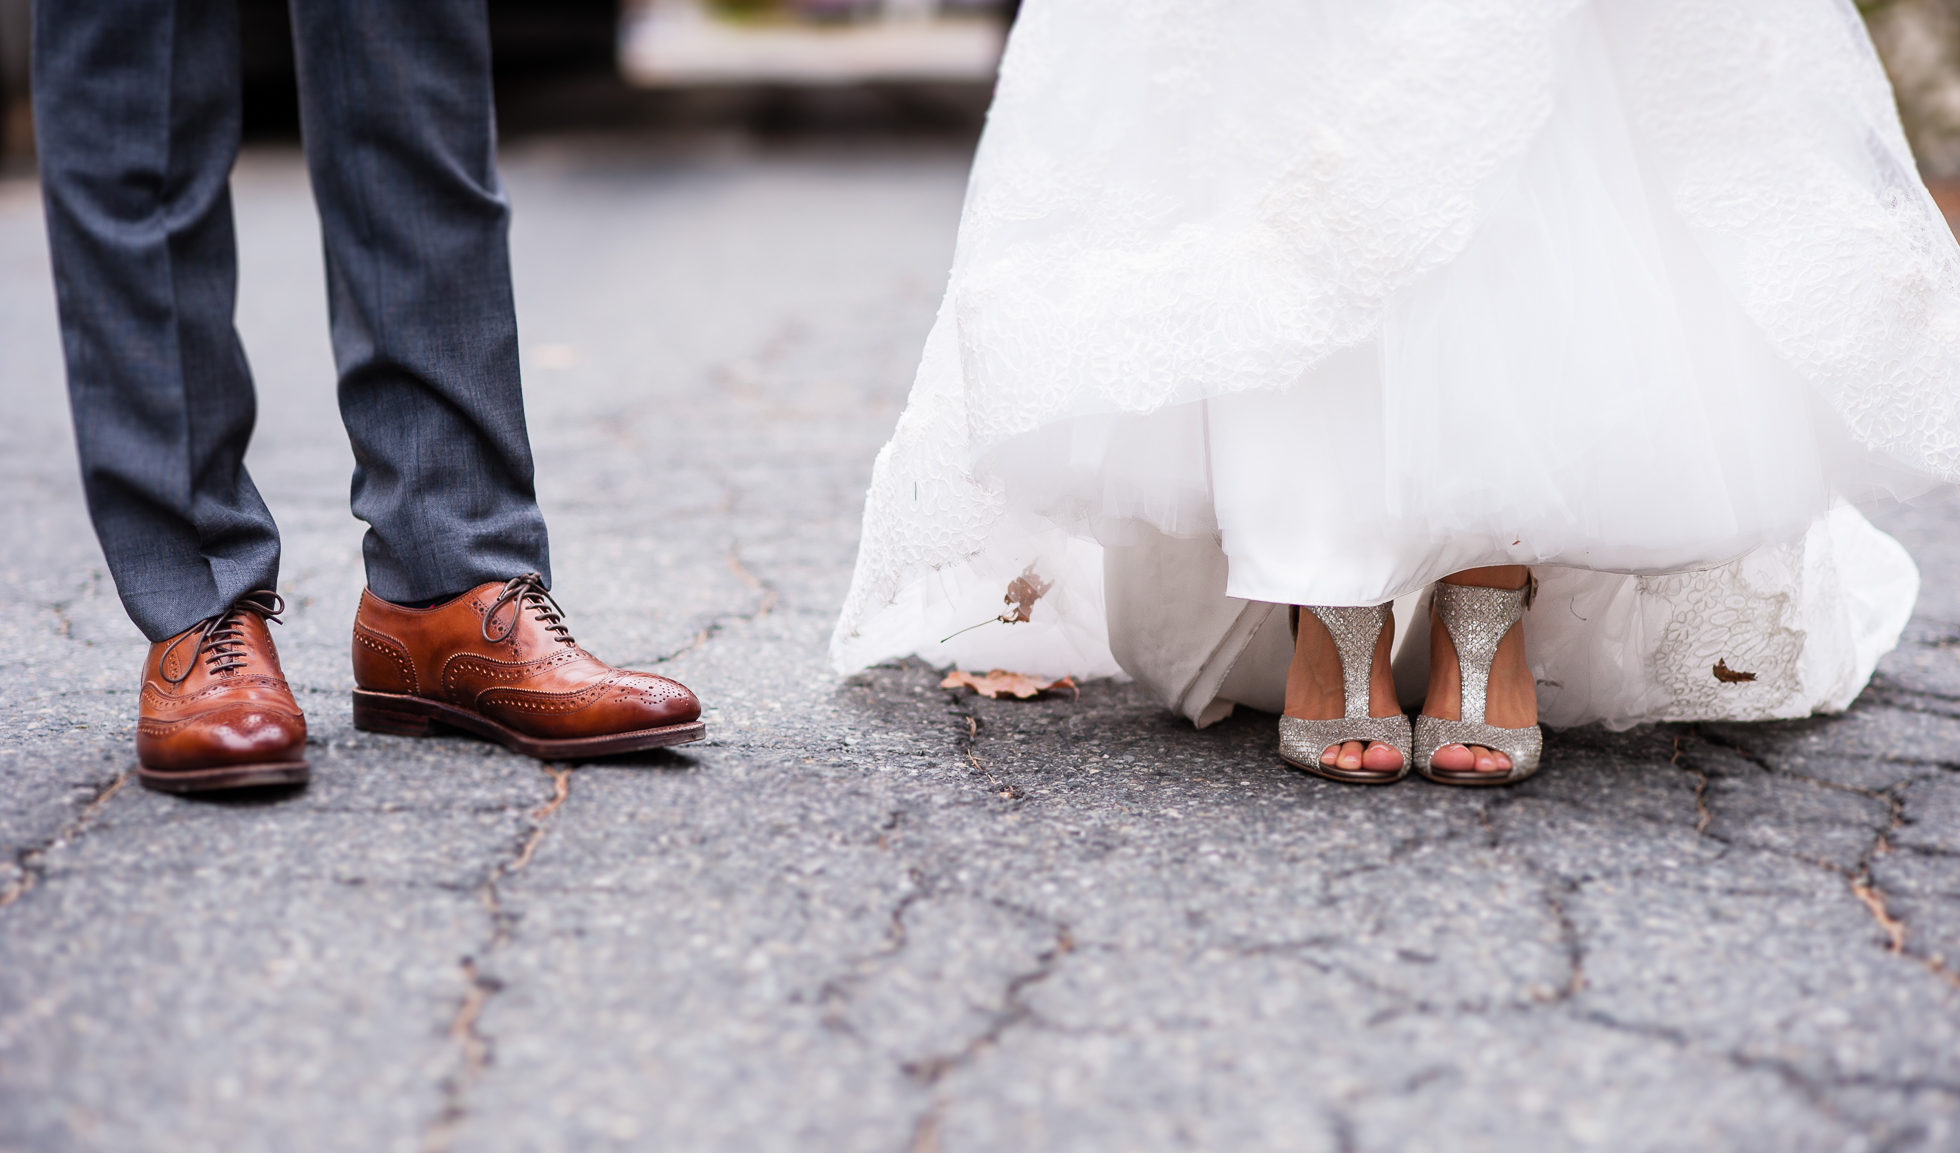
(1343, 776)
(406, 716)
(224, 777)
(1490, 780)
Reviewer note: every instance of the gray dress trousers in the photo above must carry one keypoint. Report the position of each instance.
(136, 108)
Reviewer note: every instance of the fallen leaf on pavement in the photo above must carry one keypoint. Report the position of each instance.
(1000, 681)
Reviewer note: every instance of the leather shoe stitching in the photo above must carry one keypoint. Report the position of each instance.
(157, 726)
(543, 702)
(393, 649)
(464, 664)
(163, 700)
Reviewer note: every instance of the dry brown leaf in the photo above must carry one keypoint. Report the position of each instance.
(993, 684)
(1729, 676)
(1022, 592)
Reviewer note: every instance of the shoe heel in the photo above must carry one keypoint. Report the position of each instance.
(376, 718)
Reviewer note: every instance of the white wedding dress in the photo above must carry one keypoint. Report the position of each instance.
(1269, 302)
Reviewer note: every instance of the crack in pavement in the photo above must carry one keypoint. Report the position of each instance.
(1555, 889)
(1014, 1008)
(1875, 901)
(1405, 1004)
(1858, 877)
(837, 994)
(755, 583)
(65, 625)
(476, 1049)
(1570, 938)
(1814, 1089)
(925, 1134)
(31, 860)
(766, 605)
(476, 1052)
(970, 741)
(561, 779)
(1341, 1128)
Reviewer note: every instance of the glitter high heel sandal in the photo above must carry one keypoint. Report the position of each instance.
(1477, 619)
(1356, 632)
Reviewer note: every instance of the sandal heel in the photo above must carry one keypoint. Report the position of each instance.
(376, 718)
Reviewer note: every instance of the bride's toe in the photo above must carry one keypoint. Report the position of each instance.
(1454, 758)
(1381, 758)
(1346, 755)
(1373, 756)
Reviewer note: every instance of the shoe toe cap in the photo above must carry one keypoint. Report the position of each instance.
(236, 736)
(659, 701)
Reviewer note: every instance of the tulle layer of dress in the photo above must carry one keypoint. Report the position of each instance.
(1315, 303)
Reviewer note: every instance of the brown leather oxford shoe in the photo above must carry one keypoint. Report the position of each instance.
(215, 711)
(499, 662)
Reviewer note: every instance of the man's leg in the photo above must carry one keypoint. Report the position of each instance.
(136, 112)
(136, 116)
(395, 105)
(395, 101)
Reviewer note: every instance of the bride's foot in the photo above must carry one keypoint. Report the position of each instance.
(1512, 697)
(1314, 692)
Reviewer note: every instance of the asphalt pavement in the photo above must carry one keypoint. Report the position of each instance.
(868, 913)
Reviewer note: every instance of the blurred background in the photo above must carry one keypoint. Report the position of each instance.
(567, 65)
(1919, 40)
(787, 65)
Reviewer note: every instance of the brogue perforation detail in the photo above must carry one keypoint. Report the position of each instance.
(488, 669)
(158, 726)
(653, 688)
(230, 684)
(500, 661)
(544, 702)
(393, 650)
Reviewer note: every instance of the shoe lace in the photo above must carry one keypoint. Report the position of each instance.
(528, 591)
(221, 639)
